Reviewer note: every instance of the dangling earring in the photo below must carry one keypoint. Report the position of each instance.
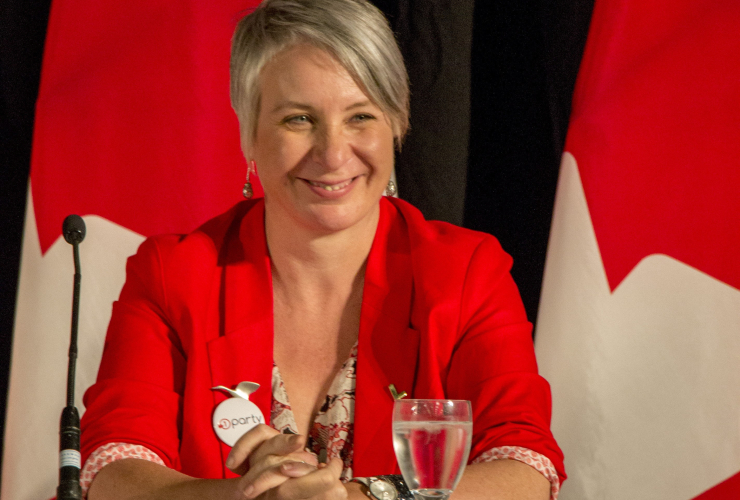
(247, 191)
(390, 189)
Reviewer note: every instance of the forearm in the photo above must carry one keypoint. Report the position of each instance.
(502, 480)
(142, 480)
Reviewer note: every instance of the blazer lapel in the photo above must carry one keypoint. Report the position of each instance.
(244, 349)
(388, 348)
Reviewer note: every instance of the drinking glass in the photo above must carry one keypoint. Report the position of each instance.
(432, 442)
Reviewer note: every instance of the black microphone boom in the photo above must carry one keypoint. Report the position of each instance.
(73, 229)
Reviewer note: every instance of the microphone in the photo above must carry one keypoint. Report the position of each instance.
(70, 460)
(73, 229)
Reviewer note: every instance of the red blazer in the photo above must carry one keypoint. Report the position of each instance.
(441, 318)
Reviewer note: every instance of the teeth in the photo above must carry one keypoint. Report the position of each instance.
(330, 187)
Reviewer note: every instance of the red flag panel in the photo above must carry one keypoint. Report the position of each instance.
(657, 134)
(724, 491)
(133, 119)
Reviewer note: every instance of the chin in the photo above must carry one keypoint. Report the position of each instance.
(332, 219)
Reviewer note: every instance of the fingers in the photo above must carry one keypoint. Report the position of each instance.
(243, 448)
(322, 483)
(298, 469)
(275, 466)
(281, 445)
(260, 442)
(305, 482)
(257, 483)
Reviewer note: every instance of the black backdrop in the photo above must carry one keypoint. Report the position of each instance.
(503, 126)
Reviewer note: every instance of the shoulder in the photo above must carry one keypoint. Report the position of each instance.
(453, 265)
(203, 245)
(445, 246)
(171, 265)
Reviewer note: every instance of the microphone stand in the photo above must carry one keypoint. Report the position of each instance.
(69, 433)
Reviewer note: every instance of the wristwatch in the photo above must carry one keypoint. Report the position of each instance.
(391, 487)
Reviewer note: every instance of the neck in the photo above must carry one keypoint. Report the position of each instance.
(318, 263)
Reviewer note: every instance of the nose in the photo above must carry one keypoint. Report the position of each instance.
(333, 148)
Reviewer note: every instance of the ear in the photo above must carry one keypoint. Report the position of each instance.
(245, 141)
(252, 167)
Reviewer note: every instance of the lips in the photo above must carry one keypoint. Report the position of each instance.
(331, 187)
(331, 190)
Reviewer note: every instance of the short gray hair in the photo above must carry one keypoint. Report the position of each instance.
(353, 31)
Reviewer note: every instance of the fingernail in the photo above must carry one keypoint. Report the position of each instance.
(248, 491)
(230, 462)
(289, 466)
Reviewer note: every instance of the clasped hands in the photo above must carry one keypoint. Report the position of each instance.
(275, 466)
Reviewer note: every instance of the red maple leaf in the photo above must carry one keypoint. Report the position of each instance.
(655, 130)
(730, 488)
(133, 120)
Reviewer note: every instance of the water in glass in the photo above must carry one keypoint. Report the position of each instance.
(432, 455)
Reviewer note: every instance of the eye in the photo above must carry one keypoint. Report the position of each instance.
(362, 117)
(298, 120)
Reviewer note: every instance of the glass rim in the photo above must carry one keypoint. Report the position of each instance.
(404, 400)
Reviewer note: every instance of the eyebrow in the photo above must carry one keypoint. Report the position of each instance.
(291, 104)
(360, 104)
(298, 105)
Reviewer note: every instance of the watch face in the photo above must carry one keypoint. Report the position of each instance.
(383, 490)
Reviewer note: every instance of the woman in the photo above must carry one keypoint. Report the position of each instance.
(324, 293)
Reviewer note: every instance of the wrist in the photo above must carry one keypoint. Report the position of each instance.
(356, 491)
(385, 487)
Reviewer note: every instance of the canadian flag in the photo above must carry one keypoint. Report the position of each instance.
(134, 131)
(639, 323)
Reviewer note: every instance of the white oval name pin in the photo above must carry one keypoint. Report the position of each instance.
(235, 416)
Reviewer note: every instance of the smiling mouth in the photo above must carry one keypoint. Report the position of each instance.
(331, 187)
